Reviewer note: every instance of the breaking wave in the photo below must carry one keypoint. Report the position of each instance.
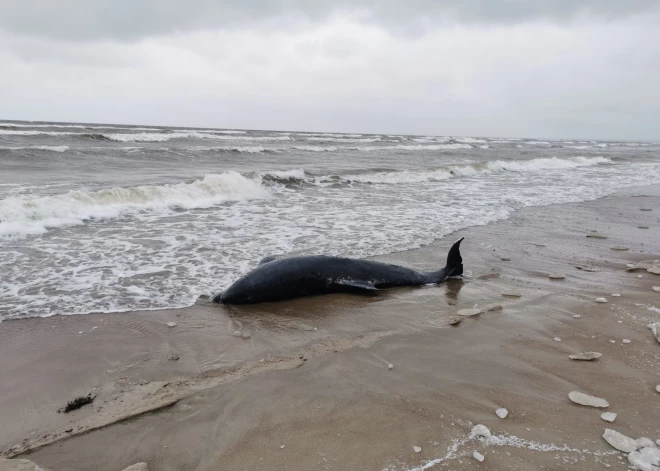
(162, 137)
(467, 170)
(44, 148)
(285, 177)
(30, 214)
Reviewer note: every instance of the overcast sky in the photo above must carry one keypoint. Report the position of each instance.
(528, 68)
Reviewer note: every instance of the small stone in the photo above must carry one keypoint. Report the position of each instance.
(601, 300)
(619, 441)
(595, 235)
(281, 447)
(587, 400)
(642, 227)
(511, 293)
(236, 333)
(626, 341)
(171, 324)
(390, 366)
(480, 431)
(417, 449)
(621, 248)
(655, 329)
(584, 268)
(436, 443)
(657, 388)
(469, 312)
(557, 339)
(502, 413)
(656, 289)
(585, 356)
(556, 276)
(639, 276)
(645, 209)
(654, 270)
(137, 467)
(608, 416)
(577, 316)
(612, 341)
(478, 456)
(455, 320)
(505, 259)
(616, 295)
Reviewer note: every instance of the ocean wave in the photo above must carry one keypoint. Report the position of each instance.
(413, 147)
(537, 143)
(470, 140)
(29, 214)
(239, 149)
(17, 132)
(146, 136)
(466, 170)
(344, 139)
(162, 137)
(316, 148)
(284, 177)
(44, 148)
(329, 135)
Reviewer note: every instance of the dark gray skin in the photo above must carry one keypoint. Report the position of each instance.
(275, 280)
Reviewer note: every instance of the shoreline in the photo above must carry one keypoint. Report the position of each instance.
(312, 373)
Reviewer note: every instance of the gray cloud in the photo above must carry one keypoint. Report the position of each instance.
(511, 68)
(131, 19)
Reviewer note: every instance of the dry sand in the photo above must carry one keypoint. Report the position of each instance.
(305, 384)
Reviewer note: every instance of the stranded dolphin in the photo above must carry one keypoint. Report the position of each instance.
(294, 277)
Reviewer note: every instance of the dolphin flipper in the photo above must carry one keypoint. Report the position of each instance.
(270, 258)
(357, 284)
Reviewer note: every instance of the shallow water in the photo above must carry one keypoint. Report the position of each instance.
(114, 218)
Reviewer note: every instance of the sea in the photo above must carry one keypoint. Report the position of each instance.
(112, 218)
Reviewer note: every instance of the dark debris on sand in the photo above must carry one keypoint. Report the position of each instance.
(77, 403)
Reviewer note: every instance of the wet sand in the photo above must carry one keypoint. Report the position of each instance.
(305, 384)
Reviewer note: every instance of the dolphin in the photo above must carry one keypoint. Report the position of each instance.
(294, 277)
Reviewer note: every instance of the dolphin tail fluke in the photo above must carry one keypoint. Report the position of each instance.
(454, 265)
(454, 260)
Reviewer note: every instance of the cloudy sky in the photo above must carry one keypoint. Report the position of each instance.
(530, 68)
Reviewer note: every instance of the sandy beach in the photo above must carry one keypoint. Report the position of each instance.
(305, 384)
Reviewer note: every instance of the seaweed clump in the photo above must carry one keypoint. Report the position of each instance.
(77, 403)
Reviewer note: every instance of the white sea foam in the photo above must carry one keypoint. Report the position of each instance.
(15, 132)
(316, 148)
(329, 135)
(423, 147)
(537, 143)
(25, 215)
(162, 137)
(470, 140)
(582, 147)
(496, 166)
(44, 148)
(344, 139)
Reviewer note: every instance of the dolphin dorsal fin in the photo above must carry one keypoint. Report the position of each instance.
(270, 258)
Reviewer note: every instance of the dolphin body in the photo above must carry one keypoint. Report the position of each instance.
(275, 280)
